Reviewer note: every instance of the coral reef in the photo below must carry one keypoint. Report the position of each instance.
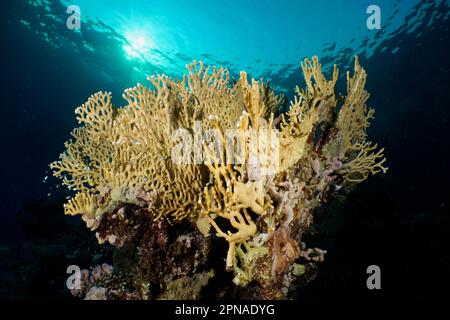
(166, 200)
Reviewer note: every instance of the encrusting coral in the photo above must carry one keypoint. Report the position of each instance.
(254, 178)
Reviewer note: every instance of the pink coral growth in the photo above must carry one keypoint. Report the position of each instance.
(88, 278)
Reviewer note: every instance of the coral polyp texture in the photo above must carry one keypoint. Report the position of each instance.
(223, 215)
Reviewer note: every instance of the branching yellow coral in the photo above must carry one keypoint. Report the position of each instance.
(255, 177)
(121, 148)
(237, 189)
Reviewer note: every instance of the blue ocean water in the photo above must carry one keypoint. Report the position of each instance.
(47, 70)
(266, 38)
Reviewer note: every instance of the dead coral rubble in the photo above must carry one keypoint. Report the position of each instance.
(166, 218)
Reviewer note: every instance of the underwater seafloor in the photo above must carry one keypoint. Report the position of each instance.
(398, 221)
